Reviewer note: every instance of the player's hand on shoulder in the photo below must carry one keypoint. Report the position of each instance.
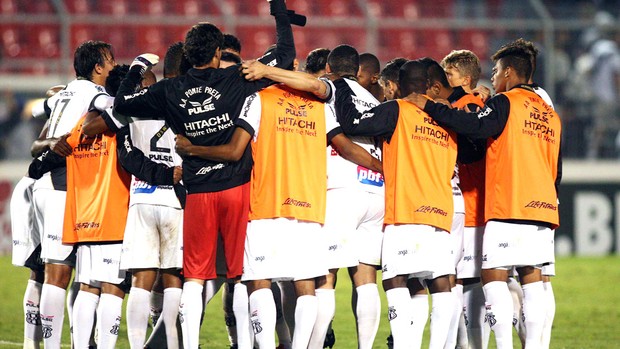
(60, 146)
(482, 91)
(145, 60)
(177, 174)
(253, 70)
(182, 145)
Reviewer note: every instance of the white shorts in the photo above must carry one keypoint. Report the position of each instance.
(283, 248)
(24, 230)
(354, 227)
(50, 213)
(99, 263)
(549, 268)
(416, 250)
(456, 235)
(152, 238)
(471, 262)
(512, 244)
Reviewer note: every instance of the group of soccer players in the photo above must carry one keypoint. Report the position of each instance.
(272, 179)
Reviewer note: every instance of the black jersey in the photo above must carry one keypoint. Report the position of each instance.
(203, 105)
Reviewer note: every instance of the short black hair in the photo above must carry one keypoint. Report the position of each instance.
(530, 48)
(435, 72)
(517, 57)
(201, 42)
(88, 55)
(316, 60)
(344, 60)
(113, 81)
(370, 63)
(172, 60)
(230, 57)
(391, 69)
(413, 77)
(231, 42)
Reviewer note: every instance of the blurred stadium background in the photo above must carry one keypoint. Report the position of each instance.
(579, 66)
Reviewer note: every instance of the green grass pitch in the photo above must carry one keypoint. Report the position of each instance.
(587, 297)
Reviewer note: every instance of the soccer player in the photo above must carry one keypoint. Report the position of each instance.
(368, 75)
(522, 162)
(277, 119)
(418, 203)
(389, 78)
(463, 70)
(316, 61)
(354, 200)
(92, 62)
(202, 105)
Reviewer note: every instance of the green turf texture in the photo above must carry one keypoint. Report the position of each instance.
(587, 296)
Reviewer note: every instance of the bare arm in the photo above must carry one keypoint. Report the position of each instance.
(355, 153)
(255, 70)
(229, 152)
(94, 124)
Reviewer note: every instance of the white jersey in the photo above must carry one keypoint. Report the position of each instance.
(342, 173)
(156, 140)
(65, 109)
(544, 95)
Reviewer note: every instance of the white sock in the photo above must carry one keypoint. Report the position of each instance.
(442, 314)
(457, 312)
(211, 288)
(400, 314)
(52, 310)
(241, 309)
(263, 318)
(305, 317)
(170, 314)
(137, 316)
(32, 319)
(419, 304)
(156, 303)
(517, 303)
(84, 309)
(499, 312)
(550, 314)
(534, 312)
(326, 309)
(109, 314)
(72, 293)
(282, 330)
(368, 313)
(478, 330)
(190, 312)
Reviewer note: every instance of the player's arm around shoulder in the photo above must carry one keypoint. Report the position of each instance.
(354, 153)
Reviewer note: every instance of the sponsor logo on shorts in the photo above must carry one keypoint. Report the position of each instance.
(431, 210)
(468, 258)
(503, 245)
(259, 258)
(333, 247)
(541, 205)
(20, 243)
(54, 237)
(403, 252)
(370, 177)
(297, 203)
(110, 261)
(392, 313)
(384, 269)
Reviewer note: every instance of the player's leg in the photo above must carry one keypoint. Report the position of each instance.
(172, 301)
(420, 306)
(456, 237)
(400, 311)
(305, 312)
(326, 302)
(534, 310)
(368, 305)
(138, 305)
(442, 312)
(32, 319)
